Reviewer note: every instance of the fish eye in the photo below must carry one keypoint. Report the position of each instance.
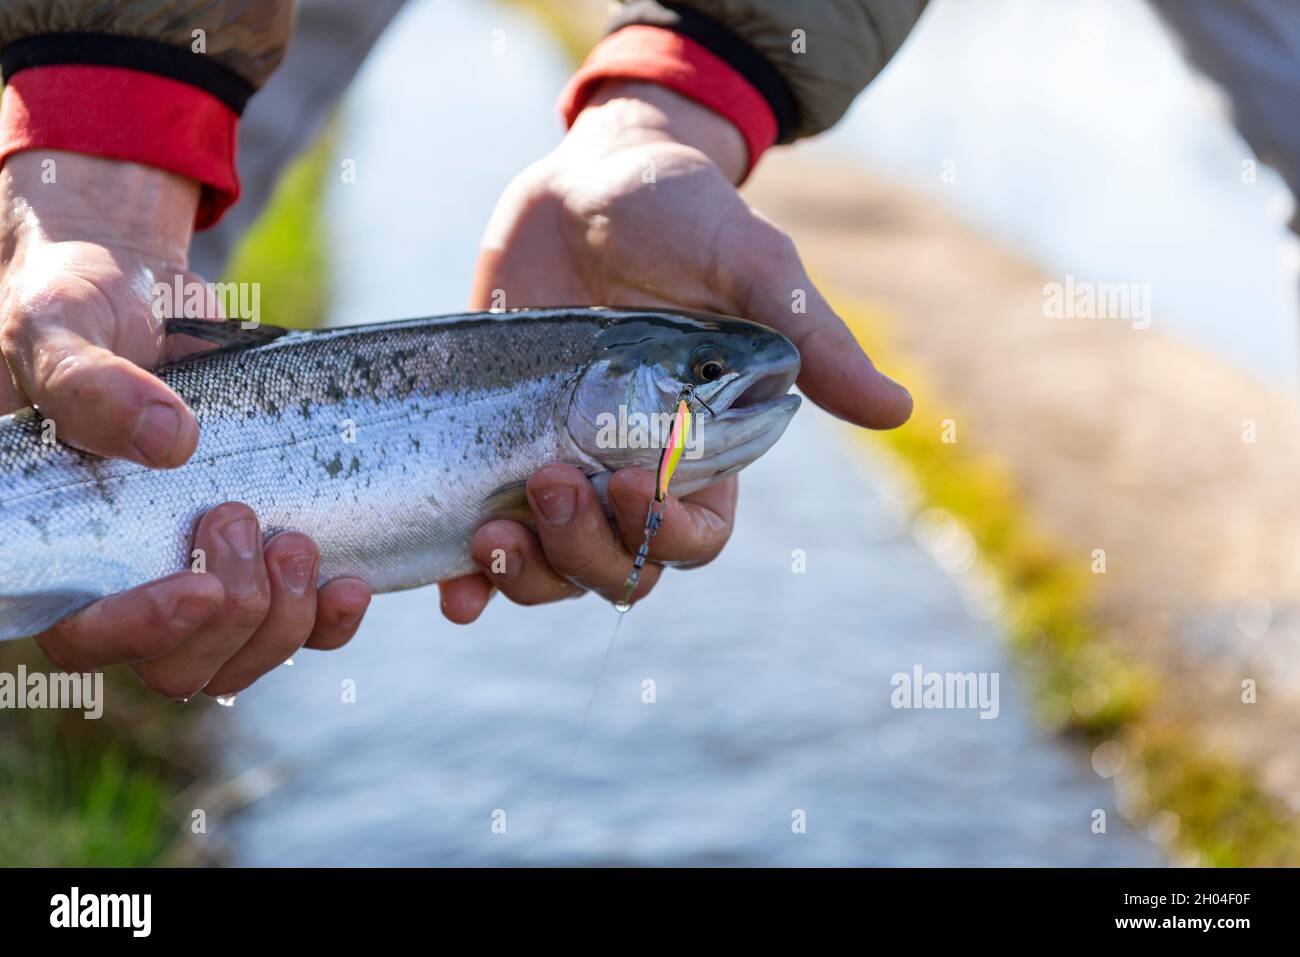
(709, 369)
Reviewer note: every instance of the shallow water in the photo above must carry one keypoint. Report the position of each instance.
(771, 687)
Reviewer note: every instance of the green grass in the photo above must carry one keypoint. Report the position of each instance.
(88, 792)
(75, 799)
(285, 250)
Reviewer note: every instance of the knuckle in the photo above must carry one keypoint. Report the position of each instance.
(780, 248)
(578, 567)
(282, 642)
(14, 328)
(156, 619)
(61, 372)
(248, 609)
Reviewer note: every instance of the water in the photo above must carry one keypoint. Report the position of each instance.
(744, 699)
(1077, 134)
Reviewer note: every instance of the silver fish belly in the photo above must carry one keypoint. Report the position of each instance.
(387, 444)
(383, 443)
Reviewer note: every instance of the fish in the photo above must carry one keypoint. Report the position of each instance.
(389, 444)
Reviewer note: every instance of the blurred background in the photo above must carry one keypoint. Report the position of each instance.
(1009, 145)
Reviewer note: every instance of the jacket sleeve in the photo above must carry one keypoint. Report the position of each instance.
(159, 82)
(802, 61)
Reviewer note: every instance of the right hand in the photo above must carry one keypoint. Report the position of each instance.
(80, 257)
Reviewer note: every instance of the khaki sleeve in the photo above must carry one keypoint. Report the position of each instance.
(246, 37)
(823, 51)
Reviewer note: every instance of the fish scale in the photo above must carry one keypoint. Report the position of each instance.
(387, 444)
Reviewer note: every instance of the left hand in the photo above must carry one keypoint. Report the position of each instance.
(638, 207)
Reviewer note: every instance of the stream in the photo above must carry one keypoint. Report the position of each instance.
(745, 716)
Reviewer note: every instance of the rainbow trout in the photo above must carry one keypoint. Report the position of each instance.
(388, 444)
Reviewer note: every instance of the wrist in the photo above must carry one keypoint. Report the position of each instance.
(60, 196)
(631, 112)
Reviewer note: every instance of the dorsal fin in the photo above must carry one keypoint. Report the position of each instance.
(229, 335)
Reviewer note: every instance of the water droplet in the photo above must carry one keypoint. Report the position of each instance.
(289, 662)
(622, 607)
(226, 700)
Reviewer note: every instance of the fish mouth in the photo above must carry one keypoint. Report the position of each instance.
(749, 415)
(733, 439)
(756, 390)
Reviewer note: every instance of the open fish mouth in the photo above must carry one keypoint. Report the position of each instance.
(763, 389)
(749, 416)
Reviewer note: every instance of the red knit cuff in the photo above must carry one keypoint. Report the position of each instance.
(126, 115)
(661, 56)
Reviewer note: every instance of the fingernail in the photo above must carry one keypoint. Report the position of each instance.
(349, 620)
(156, 428)
(190, 612)
(297, 572)
(241, 535)
(557, 503)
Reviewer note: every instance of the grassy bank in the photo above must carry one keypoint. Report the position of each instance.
(286, 249)
(1083, 683)
(103, 792)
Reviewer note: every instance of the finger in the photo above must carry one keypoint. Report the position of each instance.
(98, 401)
(512, 559)
(292, 561)
(694, 529)
(836, 373)
(340, 606)
(231, 541)
(576, 536)
(141, 623)
(463, 599)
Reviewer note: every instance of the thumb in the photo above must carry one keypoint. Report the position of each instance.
(836, 373)
(98, 401)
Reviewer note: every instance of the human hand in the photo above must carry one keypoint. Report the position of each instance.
(80, 257)
(638, 207)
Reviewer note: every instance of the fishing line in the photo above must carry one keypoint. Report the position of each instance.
(668, 459)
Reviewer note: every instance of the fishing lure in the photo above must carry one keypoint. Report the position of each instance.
(668, 459)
